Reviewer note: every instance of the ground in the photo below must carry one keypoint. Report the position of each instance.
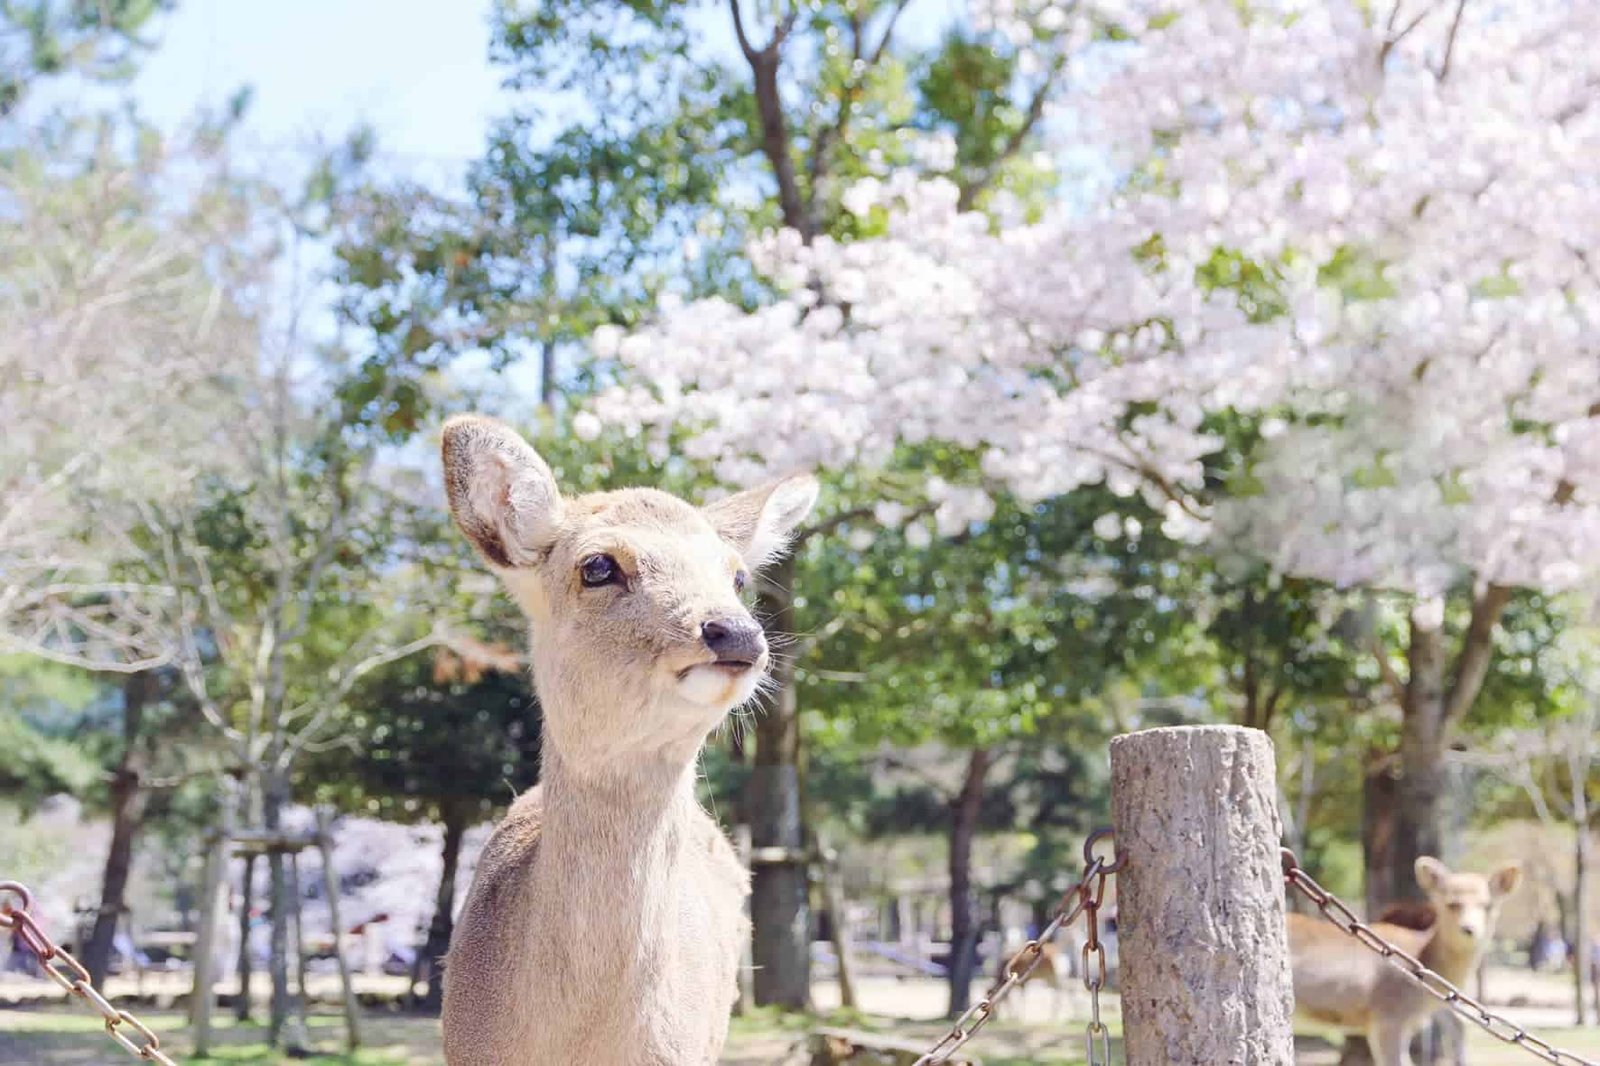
(58, 1034)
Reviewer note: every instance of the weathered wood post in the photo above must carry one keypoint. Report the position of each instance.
(330, 884)
(1204, 958)
(833, 899)
(203, 998)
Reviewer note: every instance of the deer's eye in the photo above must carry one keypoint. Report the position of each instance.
(599, 570)
(1454, 906)
(740, 579)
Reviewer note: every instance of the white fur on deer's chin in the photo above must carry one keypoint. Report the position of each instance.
(717, 687)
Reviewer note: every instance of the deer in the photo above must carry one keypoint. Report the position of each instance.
(1339, 981)
(605, 920)
(1057, 968)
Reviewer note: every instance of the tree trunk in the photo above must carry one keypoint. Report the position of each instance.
(274, 797)
(127, 812)
(430, 962)
(779, 908)
(1380, 800)
(1419, 816)
(1428, 713)
(246, 966)
(1580, 923)
(964, 813)
(1380, 796)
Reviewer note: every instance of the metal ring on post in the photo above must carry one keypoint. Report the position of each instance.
(1088, 850)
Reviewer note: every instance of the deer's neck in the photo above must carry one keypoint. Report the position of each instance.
(1453, 961)
(613, 845)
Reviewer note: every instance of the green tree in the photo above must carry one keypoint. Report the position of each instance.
(449, 738)
(98, 39)
(1015, 634)
(638, 159)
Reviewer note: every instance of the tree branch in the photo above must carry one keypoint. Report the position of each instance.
(764, 64)
(1391, 677)
(1392, 40)
(1450, 40)
(862, 65)
(970, 190)
(330, 702)
(1477, 650)
(939, 788)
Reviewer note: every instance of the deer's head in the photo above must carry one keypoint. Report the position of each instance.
(1467, 905)
(641, 637)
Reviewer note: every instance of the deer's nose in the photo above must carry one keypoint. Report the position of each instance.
(734, 640)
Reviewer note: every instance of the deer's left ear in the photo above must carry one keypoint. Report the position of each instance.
(1505, 880)
(1431, 873)
(759, 522)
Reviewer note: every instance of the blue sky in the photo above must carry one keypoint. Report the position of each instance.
(417, 71)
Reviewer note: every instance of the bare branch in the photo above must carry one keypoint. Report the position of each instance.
(1391, 677)
(974, 187)
(329, 703)
(1450, 40)
(1476, 651)
(745, 46)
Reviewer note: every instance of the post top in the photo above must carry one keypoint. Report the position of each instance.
(1188, 734)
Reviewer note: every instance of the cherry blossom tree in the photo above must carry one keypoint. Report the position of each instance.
(1421, 162)
(1363, 229)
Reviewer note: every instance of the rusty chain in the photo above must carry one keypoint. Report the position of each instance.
(1085, 897)
(71, 975)
(1496, 1025)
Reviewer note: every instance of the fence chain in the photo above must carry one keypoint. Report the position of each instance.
(1495, 1025)
(1085, 897)
(71, 975)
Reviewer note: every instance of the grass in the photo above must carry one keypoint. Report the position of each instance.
(59, 1036)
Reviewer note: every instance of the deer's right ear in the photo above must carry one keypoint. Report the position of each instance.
(502, 495)
(1431, 873)
(759, 522)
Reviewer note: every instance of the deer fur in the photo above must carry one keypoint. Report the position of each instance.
(1340, 982)
(604, 924)
(1057, 968)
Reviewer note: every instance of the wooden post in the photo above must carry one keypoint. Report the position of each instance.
(1204, 958)
(833, 899)
(203, 997)
(330, 882)
(300, 1031)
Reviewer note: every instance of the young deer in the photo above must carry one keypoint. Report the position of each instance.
(1340, 982)
(604, 924)
(1058, 968)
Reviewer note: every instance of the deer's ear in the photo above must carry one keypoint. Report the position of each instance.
(1505, 880)
(759, 522)
(502, 494)
(1430, 873)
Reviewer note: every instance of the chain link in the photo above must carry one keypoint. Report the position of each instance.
(71, 975)
(1096, 1037)
(1083, 897)
(1495, 1025)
